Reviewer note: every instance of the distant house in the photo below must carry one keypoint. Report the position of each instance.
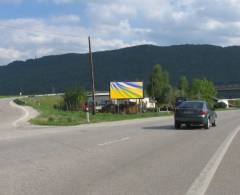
(149, 103)
(102, 98)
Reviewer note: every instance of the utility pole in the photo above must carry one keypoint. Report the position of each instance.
(92, 76)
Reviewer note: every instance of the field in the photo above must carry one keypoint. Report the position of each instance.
(49, 115)
(235, 103)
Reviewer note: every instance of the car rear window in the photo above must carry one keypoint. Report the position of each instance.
(191, 105)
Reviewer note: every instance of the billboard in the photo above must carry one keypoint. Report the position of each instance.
(126, 90)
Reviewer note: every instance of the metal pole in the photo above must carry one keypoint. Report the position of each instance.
(87, 115)
(118, 107)
(92, 76)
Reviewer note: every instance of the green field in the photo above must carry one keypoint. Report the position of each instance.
(54, 117)
(235, 103)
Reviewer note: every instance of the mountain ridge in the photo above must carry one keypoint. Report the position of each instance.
(58, 72)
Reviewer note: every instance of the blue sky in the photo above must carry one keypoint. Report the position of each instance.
(32, 8)
(32, 28)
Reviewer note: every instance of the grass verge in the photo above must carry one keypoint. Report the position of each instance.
(226, 109)
(3, 97)
(49, 115)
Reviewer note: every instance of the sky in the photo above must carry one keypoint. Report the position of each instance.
(35, 28)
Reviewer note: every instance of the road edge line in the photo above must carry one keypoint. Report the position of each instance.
(202, 182)
(23, 118)
(115, 141)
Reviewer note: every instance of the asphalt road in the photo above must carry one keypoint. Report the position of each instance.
(130, 157)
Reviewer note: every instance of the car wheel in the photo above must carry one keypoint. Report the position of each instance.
(207, 125)
(214, 124)
(188, 125)
(177, 125)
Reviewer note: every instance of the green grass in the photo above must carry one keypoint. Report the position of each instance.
(3, 97)
(226, 109)
(235, 103)
(54, 117)
(7, 96)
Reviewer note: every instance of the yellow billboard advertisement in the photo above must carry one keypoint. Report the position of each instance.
(126, 90)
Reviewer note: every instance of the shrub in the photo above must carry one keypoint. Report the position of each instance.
(220, 105)
(19, 102)
(74, 99)
(50, 119)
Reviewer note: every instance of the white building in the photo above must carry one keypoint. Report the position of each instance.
(103, 98)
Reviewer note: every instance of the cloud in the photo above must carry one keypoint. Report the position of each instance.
(62, 34)
(71, 18)
(7, 54)
(120, 23)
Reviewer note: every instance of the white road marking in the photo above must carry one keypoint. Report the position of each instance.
(201, 183)
(23, 118)
(115, 141)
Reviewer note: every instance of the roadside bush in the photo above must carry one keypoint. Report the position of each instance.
(74, 99)
(50, 119)
(19, 102)
(220, 105)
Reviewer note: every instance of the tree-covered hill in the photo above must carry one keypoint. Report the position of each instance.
(55, 73)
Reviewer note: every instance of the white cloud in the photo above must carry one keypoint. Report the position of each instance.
(38, 37)
(110, 12)
(7, 54)
(44, 51)
(213, 24)
(71, 18)
(121, 23)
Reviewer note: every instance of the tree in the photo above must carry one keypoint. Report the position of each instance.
(183, 86)
(203, 89)
(159, 86)
(170, 95)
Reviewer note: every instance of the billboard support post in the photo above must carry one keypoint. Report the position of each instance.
(140, 106)
(118, 106)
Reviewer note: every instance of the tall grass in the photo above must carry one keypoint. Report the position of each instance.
(235, 103)
(51, 115)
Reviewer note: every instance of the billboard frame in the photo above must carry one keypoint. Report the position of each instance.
(125, 98)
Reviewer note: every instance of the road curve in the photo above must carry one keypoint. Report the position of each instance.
(145, 156)
(8, 114)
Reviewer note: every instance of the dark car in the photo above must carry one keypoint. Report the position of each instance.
(179, 100)
(194, 113)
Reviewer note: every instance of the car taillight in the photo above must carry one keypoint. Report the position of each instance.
(203, 113)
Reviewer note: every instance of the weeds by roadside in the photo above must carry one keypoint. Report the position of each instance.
(50, 115)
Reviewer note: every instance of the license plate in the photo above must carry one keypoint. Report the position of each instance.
(188, 112)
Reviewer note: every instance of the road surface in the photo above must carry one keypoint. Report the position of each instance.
(130, 157)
